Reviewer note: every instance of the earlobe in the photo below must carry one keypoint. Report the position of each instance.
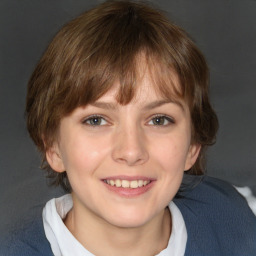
(192, 156)
(54, 159)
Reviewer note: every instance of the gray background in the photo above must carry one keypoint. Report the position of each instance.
(225, 30)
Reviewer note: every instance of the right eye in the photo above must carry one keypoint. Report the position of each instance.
(95, 121)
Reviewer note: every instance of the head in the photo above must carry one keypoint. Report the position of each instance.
(106, 46)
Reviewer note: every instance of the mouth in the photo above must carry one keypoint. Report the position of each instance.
(129, 186)
(127, 183)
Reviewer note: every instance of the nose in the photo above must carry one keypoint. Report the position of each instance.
(130, 146)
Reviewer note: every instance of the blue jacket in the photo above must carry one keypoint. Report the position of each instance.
(218, 221)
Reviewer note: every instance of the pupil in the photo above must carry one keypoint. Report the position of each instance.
(95, 121)
(158, 120)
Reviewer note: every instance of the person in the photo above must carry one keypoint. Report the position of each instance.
(119, 108)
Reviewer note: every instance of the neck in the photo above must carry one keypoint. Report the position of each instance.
(103, 238)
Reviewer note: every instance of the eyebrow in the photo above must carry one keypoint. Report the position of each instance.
(150, 106)
(104, 105)
(159, 103)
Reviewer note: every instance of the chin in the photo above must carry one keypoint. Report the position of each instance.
(131, 219)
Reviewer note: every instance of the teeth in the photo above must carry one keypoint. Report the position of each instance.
(118, 183)
(140, 183)
(127, 184)
(134, 184)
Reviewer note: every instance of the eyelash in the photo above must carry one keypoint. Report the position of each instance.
(94, 117)
(164, 118)
(167, 120)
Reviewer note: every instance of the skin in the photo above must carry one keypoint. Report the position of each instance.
(149, 137)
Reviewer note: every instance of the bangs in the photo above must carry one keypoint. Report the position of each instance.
(123, 46)
(128, 74)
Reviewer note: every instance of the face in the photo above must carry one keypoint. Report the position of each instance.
(125, 163)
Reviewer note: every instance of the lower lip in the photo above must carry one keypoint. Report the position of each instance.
(130, 192)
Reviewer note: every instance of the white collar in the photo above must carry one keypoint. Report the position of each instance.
(63, 243)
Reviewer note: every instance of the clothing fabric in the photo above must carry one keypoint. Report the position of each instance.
(248, 195)
(217, 218)
(63, 243)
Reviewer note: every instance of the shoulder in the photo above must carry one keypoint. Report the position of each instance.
(208, 189)
(27, 238)
(217, 217)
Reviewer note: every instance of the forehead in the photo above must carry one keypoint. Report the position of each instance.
(146, 74)
(147, 92)
(149, 77)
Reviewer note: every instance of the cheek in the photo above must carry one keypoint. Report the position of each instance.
(83, 154)
(172, 152)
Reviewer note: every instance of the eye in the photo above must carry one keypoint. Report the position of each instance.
(161, 120)
(95, 121)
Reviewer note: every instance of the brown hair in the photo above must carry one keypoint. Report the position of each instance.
(101, 47)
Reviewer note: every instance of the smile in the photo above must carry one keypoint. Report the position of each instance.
(127, 183)
(129, 187)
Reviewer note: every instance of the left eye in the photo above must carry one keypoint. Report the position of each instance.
(161, 120)
(95, 121)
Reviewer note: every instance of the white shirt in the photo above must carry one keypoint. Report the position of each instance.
(63, 243)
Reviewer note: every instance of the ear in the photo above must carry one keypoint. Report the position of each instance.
(54, 159)
(192, 155)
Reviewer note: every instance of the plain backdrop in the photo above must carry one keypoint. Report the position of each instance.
(225, 31)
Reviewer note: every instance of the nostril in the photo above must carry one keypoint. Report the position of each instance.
(128, 146)
(130, 157)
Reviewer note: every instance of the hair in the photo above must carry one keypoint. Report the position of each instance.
(102, 46)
